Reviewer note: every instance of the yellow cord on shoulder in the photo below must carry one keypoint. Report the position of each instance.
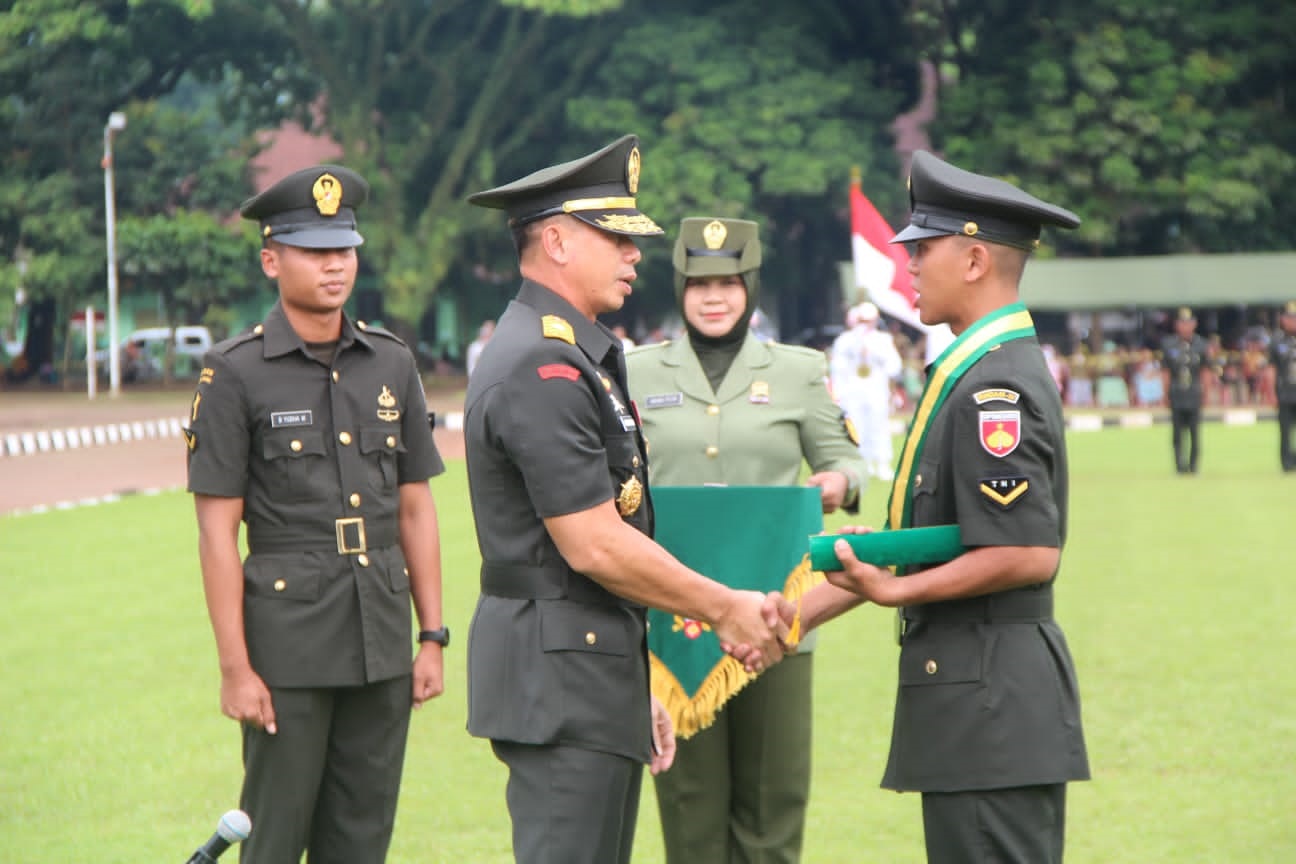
(794, 632)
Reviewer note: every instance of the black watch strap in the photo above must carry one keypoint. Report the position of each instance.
(441, 636)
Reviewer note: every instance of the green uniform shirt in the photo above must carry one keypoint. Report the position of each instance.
(1185, 359)
(305, 445)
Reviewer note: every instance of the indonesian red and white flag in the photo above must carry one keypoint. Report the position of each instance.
(882, 271)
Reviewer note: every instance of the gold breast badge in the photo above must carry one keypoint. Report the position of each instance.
(630, 498)
(387, 406)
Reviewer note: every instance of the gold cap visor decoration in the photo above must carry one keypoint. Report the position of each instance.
(598, 189)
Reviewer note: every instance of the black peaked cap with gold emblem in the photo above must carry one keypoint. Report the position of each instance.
(598, 189)
(945, 199)
(709, 246)
(313, 208)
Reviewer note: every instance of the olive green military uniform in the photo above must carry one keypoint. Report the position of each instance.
(1184, 360)
(738, 789)
(987, 717)
(557, 665)
(317, 452)
(1282, 355)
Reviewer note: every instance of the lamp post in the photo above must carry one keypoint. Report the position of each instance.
(116, 123)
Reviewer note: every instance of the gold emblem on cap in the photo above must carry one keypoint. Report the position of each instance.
(328, 194)
(714, 234)
(632, 170)
(630, 498)
(387, 406)
(970, 229)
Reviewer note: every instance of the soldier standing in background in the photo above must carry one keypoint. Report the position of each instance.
(1282, 354)
(1184, 357)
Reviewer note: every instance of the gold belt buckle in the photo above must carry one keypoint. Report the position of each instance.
(340, 526)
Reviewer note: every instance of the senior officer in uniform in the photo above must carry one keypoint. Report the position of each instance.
(722, 407)
(557, 663)
(312, 429)
(1282, 355)
(987, 717)
(1185, 356)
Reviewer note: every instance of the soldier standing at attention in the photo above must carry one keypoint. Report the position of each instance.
(1184, 356)
(722, 407)
(1282, 355)
(313, 430)
(557, 470)
(987, 718)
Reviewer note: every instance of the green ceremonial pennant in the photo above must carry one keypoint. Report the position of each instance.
(748, 537)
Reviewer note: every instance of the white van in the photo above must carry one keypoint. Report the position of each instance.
(144, 351)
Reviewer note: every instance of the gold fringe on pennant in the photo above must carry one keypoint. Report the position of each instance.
(726, 678)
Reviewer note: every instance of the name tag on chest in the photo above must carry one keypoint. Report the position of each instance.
(664, 400)
(280, 419)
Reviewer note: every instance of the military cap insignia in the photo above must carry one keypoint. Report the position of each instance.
(1004, 491)
(760, 393)
(387, 409)
(630, 497)
(633, 162)
(555, 327)
(327, 192)
(557, 370)
(1000, 432)
(996, 394)
(714, 234)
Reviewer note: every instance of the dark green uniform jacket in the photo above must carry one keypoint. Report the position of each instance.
(1184, 359)
(316, 453)
(553, 658)
(987, 690)
(1282, 354)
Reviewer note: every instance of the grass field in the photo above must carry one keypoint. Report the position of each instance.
(1174, 593)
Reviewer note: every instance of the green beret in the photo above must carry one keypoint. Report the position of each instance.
(313, 208)
(598, 189)
(945, 200)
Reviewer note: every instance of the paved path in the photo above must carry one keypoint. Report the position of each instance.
(61, 449)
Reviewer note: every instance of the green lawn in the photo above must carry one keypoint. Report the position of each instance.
(1175, 595)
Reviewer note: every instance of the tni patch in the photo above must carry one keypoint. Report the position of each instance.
(1004, 491)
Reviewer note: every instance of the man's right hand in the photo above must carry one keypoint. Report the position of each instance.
(245, 698)
(745, 635)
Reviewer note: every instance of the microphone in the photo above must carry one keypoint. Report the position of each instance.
(233, 827)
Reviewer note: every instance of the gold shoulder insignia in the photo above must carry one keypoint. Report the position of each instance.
(555, 327)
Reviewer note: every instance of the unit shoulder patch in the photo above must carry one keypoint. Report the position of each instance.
(558, 370)
(996, 394)
(999, 431)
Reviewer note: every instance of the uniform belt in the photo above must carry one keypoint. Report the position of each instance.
(351, 536)
(1023, 604)
(544, 582)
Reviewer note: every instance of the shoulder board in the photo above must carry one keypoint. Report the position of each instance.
(556, 327)
(375, 330)
(645, 349)
(796, 350)
(252, 334)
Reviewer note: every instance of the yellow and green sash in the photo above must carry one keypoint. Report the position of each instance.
(748, 537)
(1003, 325)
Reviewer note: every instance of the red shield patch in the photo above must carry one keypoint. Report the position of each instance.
(1000, 432)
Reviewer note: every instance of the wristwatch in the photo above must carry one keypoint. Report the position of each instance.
(441, 636)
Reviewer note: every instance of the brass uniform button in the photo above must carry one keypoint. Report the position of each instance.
(917, 480)
(713, 410)
(355, 499)
(391, 440)
(712, 451)
(930, 667)
(258, 329)
(591, 637)
(280, 585)
(295, 446)
(344, 437)
(335, 376)
(362, 325)
(363, 559)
